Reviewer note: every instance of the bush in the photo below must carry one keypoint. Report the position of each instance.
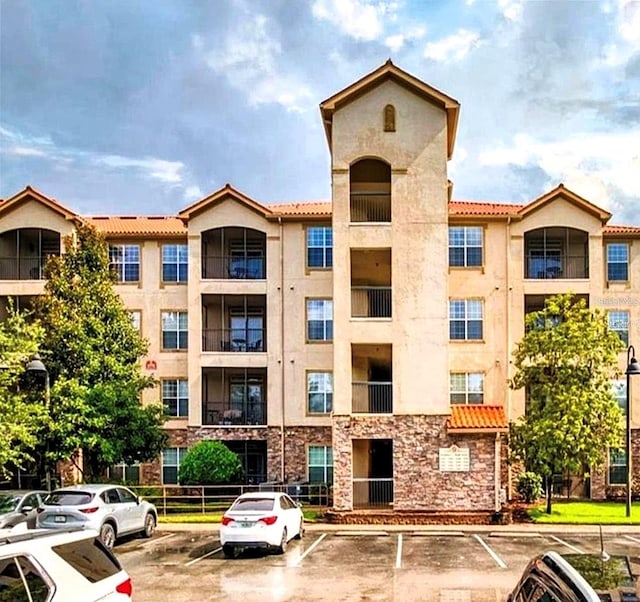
(529, 486)
(209, 463)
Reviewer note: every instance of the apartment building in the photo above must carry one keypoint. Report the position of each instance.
(364, 341)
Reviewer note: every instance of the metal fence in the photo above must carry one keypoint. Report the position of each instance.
(371, 301)
(372, 493)
(372, 397)
(371, 207)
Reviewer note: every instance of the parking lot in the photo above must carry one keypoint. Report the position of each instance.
(351, 565)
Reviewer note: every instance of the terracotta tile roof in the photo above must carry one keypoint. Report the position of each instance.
(621, 230)
(478, 208)
(140, 226)
(477, 417)
(310, 208)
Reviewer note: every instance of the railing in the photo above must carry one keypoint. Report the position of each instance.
(233, 267)
(371, 207)
(372, 397)
(22, 268)
(551, 267)
(371, 301)
(227, 413)
(234, 340)
(372, 493)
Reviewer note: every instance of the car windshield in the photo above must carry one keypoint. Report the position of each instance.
(253, 503)
(68, 498)
(8, 502)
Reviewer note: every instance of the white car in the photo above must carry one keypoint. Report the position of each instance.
(264, 519)
(111, 510)
(58, 566)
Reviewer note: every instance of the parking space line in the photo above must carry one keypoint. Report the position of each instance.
(159, 539)
(199, 558)
(491, 553)
(633, 538)
(308, 550)
(564, 543)
(437, 534)
(399, 552)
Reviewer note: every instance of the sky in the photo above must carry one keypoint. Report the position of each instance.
(144, 107)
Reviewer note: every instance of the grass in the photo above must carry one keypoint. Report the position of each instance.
(586, 513)
(310, 516)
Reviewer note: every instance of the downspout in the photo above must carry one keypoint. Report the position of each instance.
(496, 481)
(282, 371)
(508, 350)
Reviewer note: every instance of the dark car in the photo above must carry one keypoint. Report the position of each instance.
(551, 577)
(19, 506)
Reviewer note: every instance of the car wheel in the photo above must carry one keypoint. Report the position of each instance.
(300, 530)
(282, 548)
(149, 525)
(108, 535)
(229, 551)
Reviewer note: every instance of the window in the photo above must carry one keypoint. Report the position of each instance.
(465, 246)
(619, 323)
(465, 319)
(175, 398)
(136, 319)
(125, 473)
(619, 389)
(171, 458)
(174, 330)
(124, 261)
(175, 264)
(21, 580)
(617, 467)
(320, 464)
(618, 262)
(466, 387)
(319, 320)
(320, 247)
(319, 392)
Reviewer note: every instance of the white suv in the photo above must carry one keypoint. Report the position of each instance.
(57, 566)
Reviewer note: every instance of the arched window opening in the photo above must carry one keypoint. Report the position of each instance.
(389, 118)
(370, 186)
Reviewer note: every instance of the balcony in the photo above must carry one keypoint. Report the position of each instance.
(234, 397)
(556, 253)
(371, 301)
(234, 340)
(233, 267)
(234, 253)
(372, 398)
(24, 253)
(22, 268)
(372, 493)
(216, 413)
(371, 207)
(554, 266)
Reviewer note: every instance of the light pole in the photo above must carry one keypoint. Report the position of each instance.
(35, 366)
(633, 368)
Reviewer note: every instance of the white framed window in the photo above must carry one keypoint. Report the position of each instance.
(175, 263)
(319, 392)
(465, 246)
(175, 397)
(136, 319)
(171, 458)
(619, 323)
(466, 387)
(617, 466)
(619, 390)
(319, 247)
(320, 464)
(124, 261)
(319, 320)
(175, 332)
(465, 319)
(617, 262)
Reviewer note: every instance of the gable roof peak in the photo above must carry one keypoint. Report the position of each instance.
(561, 191)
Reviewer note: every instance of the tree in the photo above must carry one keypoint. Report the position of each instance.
(209, 463)
(565, 362)
(21, 415)
(92, 352)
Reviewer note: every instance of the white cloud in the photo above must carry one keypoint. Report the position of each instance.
(512, 11)
(397, 41)
(629, 20)
(452, 48)
(359, 19)
(25, 151)
(192, 193)
(159, 169)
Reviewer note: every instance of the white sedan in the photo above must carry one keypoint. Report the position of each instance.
(264, 519)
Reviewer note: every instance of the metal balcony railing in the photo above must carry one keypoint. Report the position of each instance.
(372, 493)
(550, 267)
(228, 413)
(234, 340)
(233, 267)
(372, 398)
(370, 301)
(371, 207)
(22, 268)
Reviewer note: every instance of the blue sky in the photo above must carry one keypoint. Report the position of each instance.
(121, 107)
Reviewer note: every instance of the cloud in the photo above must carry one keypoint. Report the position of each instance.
(24, 151)
(192, 193)
(359, 19)
(512, 11)
(629, 20)
(159, 169)
(397, 41)
(452, 48)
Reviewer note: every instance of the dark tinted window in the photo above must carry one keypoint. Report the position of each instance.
(127, 496)
(264, 504)
(8, 501)
(12, 586)
(90, 558)
(68, 498)
(111, 496)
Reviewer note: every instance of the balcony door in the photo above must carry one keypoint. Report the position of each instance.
(246, 332)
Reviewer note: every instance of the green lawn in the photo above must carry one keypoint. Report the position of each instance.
(586, 513)
(310, 516)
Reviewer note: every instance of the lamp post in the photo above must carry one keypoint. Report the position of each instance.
(35, 366)
(633, 368)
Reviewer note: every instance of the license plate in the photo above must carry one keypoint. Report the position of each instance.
(59, 519)
(245, 524)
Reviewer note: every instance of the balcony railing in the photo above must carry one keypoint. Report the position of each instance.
(550, 267)
(233, 267)
(371, 301)
(372, 398)
(234, 414)
(370, 207)
(372, 493)
(234, 340)
(22, 268)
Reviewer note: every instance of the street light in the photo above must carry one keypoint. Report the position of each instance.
(36, 367)
(633, 368)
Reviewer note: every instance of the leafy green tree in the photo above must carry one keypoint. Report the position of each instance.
(565, 362)
(209, 463)
(92, 352)
(21, 412)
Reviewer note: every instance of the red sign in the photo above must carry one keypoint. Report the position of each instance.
(151, 365)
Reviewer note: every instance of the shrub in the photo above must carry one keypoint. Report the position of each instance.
(209, 463)
(529, 486)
